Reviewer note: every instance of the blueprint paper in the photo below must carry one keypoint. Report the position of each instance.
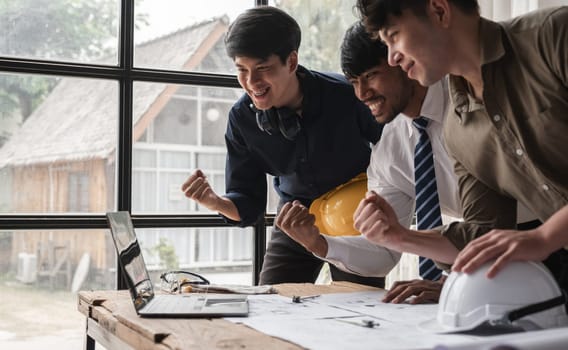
(337, 321)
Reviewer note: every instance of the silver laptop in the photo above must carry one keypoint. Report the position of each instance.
(149, 304)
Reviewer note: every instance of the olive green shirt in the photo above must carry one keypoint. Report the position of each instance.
(512, 146)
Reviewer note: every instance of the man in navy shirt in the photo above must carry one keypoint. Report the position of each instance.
(306, 128)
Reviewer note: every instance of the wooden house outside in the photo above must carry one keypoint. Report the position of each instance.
(63, 157)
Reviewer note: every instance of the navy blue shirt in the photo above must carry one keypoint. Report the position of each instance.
(332, 147)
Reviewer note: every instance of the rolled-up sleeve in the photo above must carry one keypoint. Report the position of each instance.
(483, 210)
(355, 254)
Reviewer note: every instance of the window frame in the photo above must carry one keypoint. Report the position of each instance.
(126, 74)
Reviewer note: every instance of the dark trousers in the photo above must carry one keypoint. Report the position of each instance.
(556, 262)
(286, 261)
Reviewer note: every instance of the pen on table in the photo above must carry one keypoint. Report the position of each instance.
(299, 299)
(363, 323)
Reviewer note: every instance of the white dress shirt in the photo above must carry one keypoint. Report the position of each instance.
(391, 175)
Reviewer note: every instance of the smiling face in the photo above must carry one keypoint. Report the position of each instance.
(385, 90)
(269, 82)
(418, 45)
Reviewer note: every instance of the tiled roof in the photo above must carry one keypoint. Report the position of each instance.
(78, 120)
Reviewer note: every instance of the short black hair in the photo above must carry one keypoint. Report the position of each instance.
(359, 52)
(262, 31)
(375, 13)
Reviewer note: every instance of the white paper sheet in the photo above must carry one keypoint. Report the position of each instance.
(341, 321)
(277, 307)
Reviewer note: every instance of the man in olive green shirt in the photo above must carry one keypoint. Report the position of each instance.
(509, 90)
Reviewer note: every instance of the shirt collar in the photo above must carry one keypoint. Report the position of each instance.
(434, 105)
(311, 94)
(492, 49)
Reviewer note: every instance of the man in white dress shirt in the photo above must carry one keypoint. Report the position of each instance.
(393, 99)
(396, 100)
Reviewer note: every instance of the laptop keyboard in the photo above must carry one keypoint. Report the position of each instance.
(175, 304)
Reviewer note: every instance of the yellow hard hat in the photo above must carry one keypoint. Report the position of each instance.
(334, 210)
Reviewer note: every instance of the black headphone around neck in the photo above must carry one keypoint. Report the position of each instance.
(282, 119)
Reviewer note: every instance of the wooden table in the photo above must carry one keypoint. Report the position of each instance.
(113, 323)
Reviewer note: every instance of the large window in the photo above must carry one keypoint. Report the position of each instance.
(59, 145)
(181, 130)
(109, 105)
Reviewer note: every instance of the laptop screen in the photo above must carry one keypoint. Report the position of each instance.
(130, 258)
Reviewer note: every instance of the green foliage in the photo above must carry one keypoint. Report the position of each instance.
(23, 92)
(323, 24)
(167, 254)
(57, 29)
(64, 30)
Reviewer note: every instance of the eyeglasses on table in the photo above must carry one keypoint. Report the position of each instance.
(174, 281)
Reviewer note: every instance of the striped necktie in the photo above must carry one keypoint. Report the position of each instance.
(427, 203)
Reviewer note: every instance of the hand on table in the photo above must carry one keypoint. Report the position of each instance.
(424, 291)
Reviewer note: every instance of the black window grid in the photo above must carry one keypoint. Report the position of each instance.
(126, 74)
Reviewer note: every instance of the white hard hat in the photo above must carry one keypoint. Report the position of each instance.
(523, 296)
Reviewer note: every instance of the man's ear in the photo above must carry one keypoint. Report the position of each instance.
(292, 61)
(440, 12)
